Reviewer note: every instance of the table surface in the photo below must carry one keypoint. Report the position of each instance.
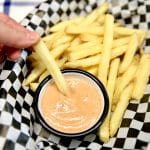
(18, 9)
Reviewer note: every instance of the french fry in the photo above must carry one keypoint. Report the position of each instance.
(141, 51)
(64, 39)
(89, 19)
(112, 77)
(106, 52)
(43, 75)
(120, 42)
(95, 14)
(118, 24)
(142, 36)
(49, 62)
(61, 62)
(75, 42)
(33, 57)
(34, 86)
(101, 19)
(104, 129)
(93, 70)
(124, 31)
(141, 77)
(83, 53)
(50, 39)
(126, 78)
(118, 51)
(85, 46)
(57, 51)
(88, 37)
(117, 115)
(128, 31)
(103, 9)
(74, 29)
(113, 107)
(86, 62)
(35, 73)
(62, 25)
(128, 57)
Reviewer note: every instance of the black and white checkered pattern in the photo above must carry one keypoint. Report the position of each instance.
(19, 128)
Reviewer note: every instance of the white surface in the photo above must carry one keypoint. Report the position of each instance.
(18, 9)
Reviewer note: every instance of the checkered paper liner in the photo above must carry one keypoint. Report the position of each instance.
(19, 128)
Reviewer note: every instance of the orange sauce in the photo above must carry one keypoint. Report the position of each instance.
(76, 112)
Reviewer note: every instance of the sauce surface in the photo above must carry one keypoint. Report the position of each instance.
(74, 113)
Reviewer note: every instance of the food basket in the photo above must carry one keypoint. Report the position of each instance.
(19, 128)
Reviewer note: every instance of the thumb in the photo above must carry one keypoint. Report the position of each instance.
(14, 35)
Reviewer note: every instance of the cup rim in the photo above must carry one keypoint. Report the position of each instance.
(72, 135)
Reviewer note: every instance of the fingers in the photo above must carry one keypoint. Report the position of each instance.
(9, 52)
(7, 20)
(13, 53)
(2, 54)
(14, 35)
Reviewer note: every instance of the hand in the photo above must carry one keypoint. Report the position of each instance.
(13, 37)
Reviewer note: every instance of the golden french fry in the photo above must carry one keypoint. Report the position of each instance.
(112, 78)
(43, 75)
(85, 53)
(64, 39)
(49, 62)
(86, 62)
(142, 36)
(75, 42)
(104, 129)
(118, 24)
(141, 77)
(61, 62)
(103, 8)
(120, 42)
(141, 51)
(126, 78)
(35, 73)
(59, 26)
(50, 39)
(93, 70)
(74, 29)
(90, 18)
(118, 51)
(85, 46)
(33, 57)
(117, 115)
(101, 19)
(124, 31)
(62, 25)
(88, 37)
(106, 51)
(33, 86)
(128, 57)
(113, 107)
(57, 51)
(95, 14)
(128, 31)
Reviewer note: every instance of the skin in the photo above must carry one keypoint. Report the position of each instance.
(13, 37)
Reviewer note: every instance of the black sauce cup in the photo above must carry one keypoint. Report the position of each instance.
(72, 135)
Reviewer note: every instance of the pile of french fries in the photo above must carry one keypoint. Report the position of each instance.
(96, 43)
